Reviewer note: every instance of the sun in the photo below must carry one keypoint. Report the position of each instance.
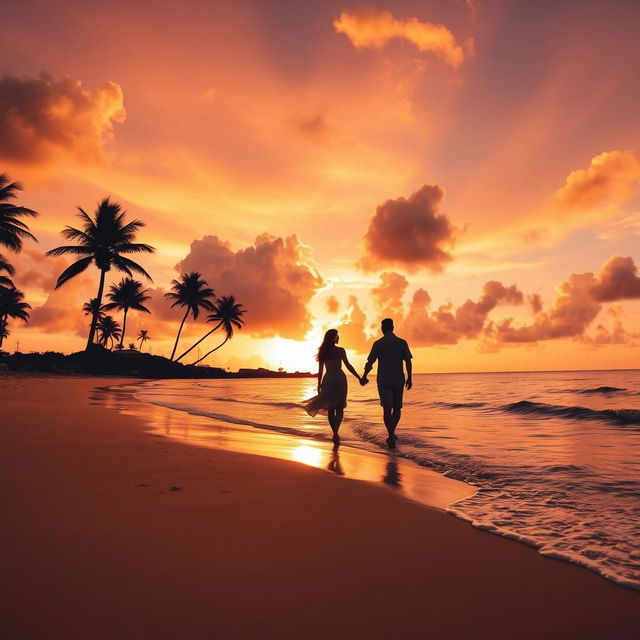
(293, 355)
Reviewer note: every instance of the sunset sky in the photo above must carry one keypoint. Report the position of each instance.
(471, 168)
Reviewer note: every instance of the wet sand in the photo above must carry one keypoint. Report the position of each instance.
(113, 531)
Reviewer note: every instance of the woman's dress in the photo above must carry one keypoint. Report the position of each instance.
(333, 390)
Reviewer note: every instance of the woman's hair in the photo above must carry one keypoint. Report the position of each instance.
(328, 341)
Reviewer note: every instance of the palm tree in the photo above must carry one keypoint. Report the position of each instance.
(192, 292)
(92, 307)
(143, 336)
(12, 305)
(229, 314)
(103, 240)
(4, 333)
(127, 294)
(12, 230)
(109, 330)
(6, 266)
(225, 310)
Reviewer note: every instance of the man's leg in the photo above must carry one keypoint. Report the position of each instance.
(397, 413)
(389, 422)
(387, 414)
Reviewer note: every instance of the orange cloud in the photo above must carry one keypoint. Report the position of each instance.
(388, 296)
(60, 312)
(410, 233)
(34, 270)
(352, 330)
(41, 118)
(535, 302)
(617, 334)
(617, 280)
(609, 179)
(571, 312)
(447, 325)
(371, 28)
(274, 279)
(333, 305)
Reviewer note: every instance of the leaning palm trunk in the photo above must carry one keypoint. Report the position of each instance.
(94, 317)
(175, 346)
(206, 355)
(124, 326)
(193, 346)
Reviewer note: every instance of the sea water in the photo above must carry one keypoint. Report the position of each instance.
(554, 456)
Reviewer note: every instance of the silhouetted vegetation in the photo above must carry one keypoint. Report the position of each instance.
(103, 240)
(127, 294)
(108, 331)
(228, 314)
(12, 305)
(193, 293)
(13, 231)
(143, 336)
(101, 361)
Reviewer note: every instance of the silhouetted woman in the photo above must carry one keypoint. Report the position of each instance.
(332, 388)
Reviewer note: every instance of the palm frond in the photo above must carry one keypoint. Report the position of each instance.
(126, 265)
(73, 270)
(5, 265)
(69, 250)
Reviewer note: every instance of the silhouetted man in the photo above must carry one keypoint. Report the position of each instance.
(390, 352)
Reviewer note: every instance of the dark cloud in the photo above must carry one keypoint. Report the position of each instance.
(314, 128)
(274, 279)
(40, 118)
(409, 233)
(618, 280)
(535, 302)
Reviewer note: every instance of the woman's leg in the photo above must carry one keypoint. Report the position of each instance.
(338, 420)
(334, 422)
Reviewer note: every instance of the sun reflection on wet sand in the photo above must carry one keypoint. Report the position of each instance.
(309, 454)
(389, 470)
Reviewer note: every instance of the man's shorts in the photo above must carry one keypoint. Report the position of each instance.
(391, 395)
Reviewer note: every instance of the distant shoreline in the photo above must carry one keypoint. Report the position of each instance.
(135, 364)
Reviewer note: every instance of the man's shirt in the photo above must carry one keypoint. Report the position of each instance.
(390, 352)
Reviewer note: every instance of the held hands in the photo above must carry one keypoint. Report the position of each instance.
(364, 381)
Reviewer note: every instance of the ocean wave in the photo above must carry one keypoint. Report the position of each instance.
(282, 405)
(595, 391)
(458, 405)
(613, 416)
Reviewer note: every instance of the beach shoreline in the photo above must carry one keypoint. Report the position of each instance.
(117, 533)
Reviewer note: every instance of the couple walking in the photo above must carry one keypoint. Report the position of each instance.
(392, 354)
